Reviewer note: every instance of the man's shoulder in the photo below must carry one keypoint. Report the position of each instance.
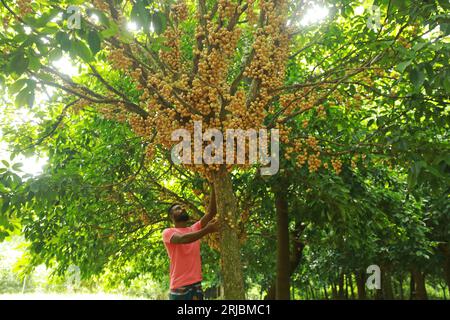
(167, 234)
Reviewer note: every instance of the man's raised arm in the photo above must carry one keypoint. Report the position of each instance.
(178, 238)
(212, 209)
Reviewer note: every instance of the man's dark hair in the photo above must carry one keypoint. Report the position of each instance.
(169, 210)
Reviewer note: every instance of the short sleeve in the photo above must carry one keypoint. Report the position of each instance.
(167, 234)
(196, 226)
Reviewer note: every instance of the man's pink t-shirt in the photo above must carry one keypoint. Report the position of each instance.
(185, 261)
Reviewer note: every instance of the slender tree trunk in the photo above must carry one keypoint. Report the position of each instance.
(341, 286)
(283, 261)
(313, 294)
(334, 292)
(443, 288)
(386, 283)
(400, 282)
(419, 280)
(233, 280)
(346, 287)
(296, 256)
(378, 294)
(325, 292)
(351, 286)
(444, 247)
(412, 287)
(361, 284)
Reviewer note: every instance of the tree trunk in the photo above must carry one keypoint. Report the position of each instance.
(283, 262)
(444, 247)
(419, 280)
(351, 286)
(341, 294)
(386, 283)
(233, 280)
(296, 255)
(412, 287)
(361, 284)
(400, 283)
(334, 291)
(346, 287)
(325, 292)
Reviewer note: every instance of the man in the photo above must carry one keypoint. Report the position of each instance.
(183, 247)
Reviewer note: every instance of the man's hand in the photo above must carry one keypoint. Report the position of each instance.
(213, 226)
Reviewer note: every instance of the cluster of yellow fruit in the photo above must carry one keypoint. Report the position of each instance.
(404, 42)
(250, 13)
(6, 22)
(226, 8)
(337, 165)
(301, 101)
(171, 56)
(312, 142)
(314, 162)
(136, 74)
(107, 111)
(78, 106)
(271, 47)
(119, 59)
(24, 7)
(213, 239)
(301, 159)
(225, 40)
(321, 113)
(180, 10)
(102, 5)
(141, 126)
(150, 151)
(144, 217)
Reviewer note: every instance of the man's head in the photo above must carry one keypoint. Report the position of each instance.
(177, 213)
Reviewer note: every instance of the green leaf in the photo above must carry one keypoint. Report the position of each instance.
(417, 77)
(34, 187)
(111, 31)
(19, 63)
(403, 65)
(17, 166)
(5, 163)
(141, 14)
(94, 42)
(446, 82)
(63, 40)
(159, 22)
(17, 86)
(418, 46)
(25, 97)
(34, 64)
(55, 54)
(81, 50)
